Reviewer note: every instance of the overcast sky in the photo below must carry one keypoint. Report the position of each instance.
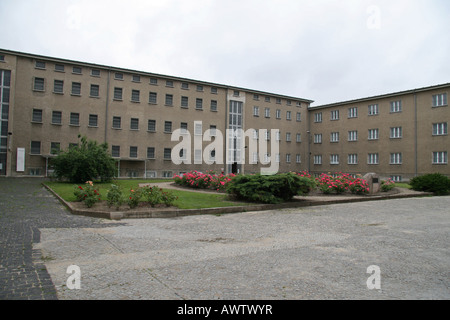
(327, 51)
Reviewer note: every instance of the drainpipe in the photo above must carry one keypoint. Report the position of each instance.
(415, 136)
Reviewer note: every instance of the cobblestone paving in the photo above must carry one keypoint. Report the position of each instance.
(25, 208)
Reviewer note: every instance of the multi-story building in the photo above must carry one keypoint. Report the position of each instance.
(398, 135)
(47, 103)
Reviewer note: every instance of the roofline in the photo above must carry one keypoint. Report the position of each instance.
(394, 94)
(138, 72)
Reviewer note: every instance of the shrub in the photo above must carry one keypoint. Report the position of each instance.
(269, 189)
(387, 185)
(342, 182)
(133, 198)
(87, 194)
(435, 182)
(114, 197)
(208, 180)
(153, 195)
(86, 161)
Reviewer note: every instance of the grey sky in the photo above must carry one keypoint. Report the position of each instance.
(327, 51)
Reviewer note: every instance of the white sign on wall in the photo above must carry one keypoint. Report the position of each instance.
(20, 167)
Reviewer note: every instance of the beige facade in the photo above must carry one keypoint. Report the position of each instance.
(48, 102)
(397, 135)
(52, 101)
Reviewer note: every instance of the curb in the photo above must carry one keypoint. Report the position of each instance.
(296, 203)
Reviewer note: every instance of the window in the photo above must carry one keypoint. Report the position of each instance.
(440, 157)
(373, 134)
(298, 158)
(74, 119)
(334, 137)
(154, 81)
(56, 117)
(94, 92)
(373, 109)
(76, 88)
(167, 153)
(256, 97)
(353, 135)
(55, 147)
(118, 76)
(299, 117)
(169, 83)
(169, 100)
(288, 115)
(117, 122)
(334, 115)
(236, 93)
(184, 102)
(214, 90)
(184, 128)
(396, 158)
(267, 99)
(93, 120)
(39, 84)
(37, 115)
(39, 65)
(198, 130)
(440, 129)
(58, 86)
(278, 100)
(396, 178)
(396, 106)
(278, 114)
(440, 100)
(278, 136)
(352, 159)
(168, 126)
(77, 70)
(396, 133)
(133, 152)
(199, 88)
(150, 153)
(152, 97)
(59, 67)
(136, 78)
(185, 85)
(318, 117)
(118, 93)
(353, 112)
(288, 136)
(115, 151)
(298, 138)
(135, 95)
(267, 112)
(318, 138)
(35, 147)
(288, 157)
(256, 111)
(318, 159)
(134, 124)
(213, 105)
(151, 126)
(199, 104)
(95, 73)
(334, 159)
(212, 130)
(372, 158)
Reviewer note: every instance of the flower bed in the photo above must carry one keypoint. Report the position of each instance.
(340, 183)
(200, 180)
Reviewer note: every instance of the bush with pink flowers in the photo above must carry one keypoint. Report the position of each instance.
(200, 180)
(340, 183)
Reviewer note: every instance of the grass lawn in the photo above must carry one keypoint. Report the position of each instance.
(402, 185)
(186, 199)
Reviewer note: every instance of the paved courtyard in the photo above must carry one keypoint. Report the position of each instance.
(308, 253)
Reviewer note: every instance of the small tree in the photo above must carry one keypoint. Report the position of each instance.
(87, 161)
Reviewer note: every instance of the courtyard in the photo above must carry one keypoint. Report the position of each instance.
(321, 252)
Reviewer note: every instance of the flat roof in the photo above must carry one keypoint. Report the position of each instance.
(394, 94)
(137, 72)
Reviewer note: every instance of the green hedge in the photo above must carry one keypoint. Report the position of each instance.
(434, 182)
(269, 189)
